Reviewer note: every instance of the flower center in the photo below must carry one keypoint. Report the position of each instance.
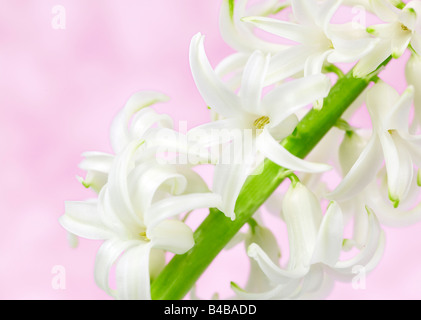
(404, 27)
(261, 122)
(144, 237)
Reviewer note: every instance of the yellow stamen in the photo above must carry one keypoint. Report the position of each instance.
(144, 237)
(404, 27)
(261, 122)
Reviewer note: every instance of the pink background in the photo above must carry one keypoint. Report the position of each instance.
(59, 90)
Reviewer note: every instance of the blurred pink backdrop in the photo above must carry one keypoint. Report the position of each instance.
(59, 90)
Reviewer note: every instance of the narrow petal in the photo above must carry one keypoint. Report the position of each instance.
(416, 43)
(118, 190)
(287, 63)
(252, 83)
(303, 216)
(83, 219)
(145, 119)
(400, 43)
(314, 63)
(172, 235)
(146, 179)
(398, 118)
(326, 11)
(271, 270)
(175, 205)
(362, 172)
(350, 50)
(215, 93)
(237, 35)
(369, 249)
(119, 132)
(283, 129)
(291, 96)
(276, 293)
(385, 10)
(132, 274)
(295, 32)
(329, 239)
(275, 152)
(106, 257)
(304, 11)
(236, 163)
(399, 166)
(371, 61)
(97, 165)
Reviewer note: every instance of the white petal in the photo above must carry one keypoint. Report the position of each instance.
(172, 235)
(400, 43)
(303, 215)
(232, 63)
(416, 43)
(381, 99)
(314, 63)
(291, 96)
(275, 152)
(97, 165)
(369, 249)
(175, 205)
(215, 93)
(330, 237)
(349, 150)
(304, 11)
(145, 119)
(283, 129)
(271, 270)
(105, 259)
(399, 166)
(84, 220)
(295, 32)
(252, 84)
(287, 63)
(132, 274)
(350, 50)
(398, 118)
(119, 132)
(385, 10)
(118, 190)
(371, 61)
(236, 163)
(362, 172)
(326, 11)
(237, 35)
(146, 179)
(277, 293)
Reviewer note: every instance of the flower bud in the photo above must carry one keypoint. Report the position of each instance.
(303, 216)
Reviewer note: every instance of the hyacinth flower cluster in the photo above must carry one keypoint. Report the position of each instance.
(279, 113)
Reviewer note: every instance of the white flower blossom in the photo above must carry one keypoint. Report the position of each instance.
(315, 242)
(318, 40)
(402, 27)
(391, 141)
(134, 215)
(268, 119)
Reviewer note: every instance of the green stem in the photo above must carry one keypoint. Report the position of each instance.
(182, 272)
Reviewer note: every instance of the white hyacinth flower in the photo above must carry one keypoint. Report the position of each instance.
(318, 40)
(263, 120)
(133, 122)
(315, 242)
(135, 214)
(391, 141)
(402, 27)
